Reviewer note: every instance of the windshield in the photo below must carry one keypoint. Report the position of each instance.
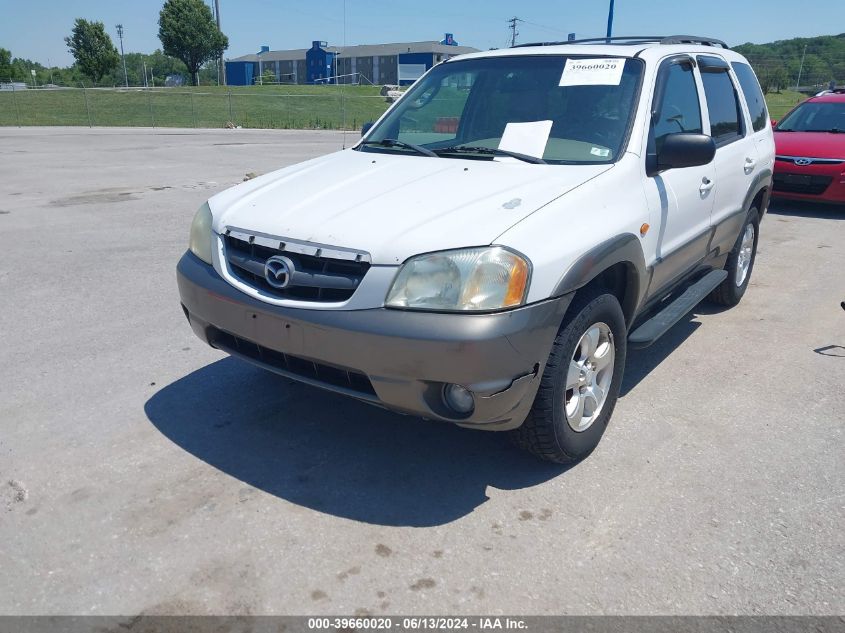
(815, 116)
(561, 109)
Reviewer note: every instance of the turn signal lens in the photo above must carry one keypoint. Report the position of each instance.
(518, 283)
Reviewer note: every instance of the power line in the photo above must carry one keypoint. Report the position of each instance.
(543, 26)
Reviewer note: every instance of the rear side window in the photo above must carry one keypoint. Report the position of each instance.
(679, 110)
(722, 102)
(753, 95)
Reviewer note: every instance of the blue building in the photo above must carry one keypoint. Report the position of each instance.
(319, 63)
(393, 64)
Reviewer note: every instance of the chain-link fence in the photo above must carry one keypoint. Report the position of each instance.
(295, 107)
(330, 107)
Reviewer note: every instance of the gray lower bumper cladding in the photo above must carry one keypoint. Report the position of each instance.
(397, 359)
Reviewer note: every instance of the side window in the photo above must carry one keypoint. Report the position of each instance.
(753, 95)
(679, 109)
(722, 102)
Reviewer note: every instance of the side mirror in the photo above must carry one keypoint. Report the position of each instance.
(685, 150)
(774, 122)
(367, 127)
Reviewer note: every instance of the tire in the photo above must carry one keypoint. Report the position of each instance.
(730, 292)
(549, 431)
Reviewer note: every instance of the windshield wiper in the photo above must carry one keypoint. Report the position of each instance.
(464, 149)
(833, 130)
(392, 142)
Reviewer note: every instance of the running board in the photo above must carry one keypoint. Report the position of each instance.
(661, 322)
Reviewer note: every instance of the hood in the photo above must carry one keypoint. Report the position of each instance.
(392, 206)
(810, 144)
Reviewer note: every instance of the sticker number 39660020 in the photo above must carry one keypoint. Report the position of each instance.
(592, 72)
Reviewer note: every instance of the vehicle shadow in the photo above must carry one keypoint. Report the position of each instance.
(334, 454)
(818, 210)
(641, 362)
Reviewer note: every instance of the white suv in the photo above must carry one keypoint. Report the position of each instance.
(490, 248)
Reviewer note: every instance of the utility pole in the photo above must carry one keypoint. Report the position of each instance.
(220, 61)
(514, 33)
(801, 68)
(610, 22)
(122, 56)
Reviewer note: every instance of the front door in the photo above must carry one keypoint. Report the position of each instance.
(680, 200)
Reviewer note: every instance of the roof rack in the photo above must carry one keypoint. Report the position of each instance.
(637, 39)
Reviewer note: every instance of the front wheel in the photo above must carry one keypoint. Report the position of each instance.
(581, 381)
(739, 265)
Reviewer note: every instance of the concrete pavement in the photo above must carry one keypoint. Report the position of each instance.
(141, 472)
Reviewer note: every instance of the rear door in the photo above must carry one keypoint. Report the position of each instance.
(679, 199)
(737, 158)
(759, 115)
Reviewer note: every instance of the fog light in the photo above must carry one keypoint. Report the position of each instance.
(458, 398)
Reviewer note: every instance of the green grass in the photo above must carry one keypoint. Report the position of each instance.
(782, 102)
(296, 107)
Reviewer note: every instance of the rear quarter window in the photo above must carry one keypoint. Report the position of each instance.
(753, 95)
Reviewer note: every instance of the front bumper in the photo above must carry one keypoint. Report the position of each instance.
(834, 192)
(393, 358)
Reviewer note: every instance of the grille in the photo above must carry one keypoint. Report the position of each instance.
(326, 375)
(316, 278)
(801, 183)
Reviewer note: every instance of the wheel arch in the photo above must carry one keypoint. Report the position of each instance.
(759, 193)
(616, 264)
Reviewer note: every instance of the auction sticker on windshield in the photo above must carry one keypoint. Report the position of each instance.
(593, 72)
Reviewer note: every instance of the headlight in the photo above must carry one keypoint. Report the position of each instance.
(468, 279)
(201, 241)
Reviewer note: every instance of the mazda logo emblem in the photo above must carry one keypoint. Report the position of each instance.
(278, 271)
(803, 161)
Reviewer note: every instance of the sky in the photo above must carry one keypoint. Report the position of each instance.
(35, 29)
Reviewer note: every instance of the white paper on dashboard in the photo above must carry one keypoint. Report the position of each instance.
(592, 72)
(526, 138)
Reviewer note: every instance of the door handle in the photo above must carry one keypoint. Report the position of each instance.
(706, 185)
(750, 164)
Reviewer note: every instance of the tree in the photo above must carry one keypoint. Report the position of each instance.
(5, 64)
(268, 77)
(188, 32)
(779, 79)
(92, 48)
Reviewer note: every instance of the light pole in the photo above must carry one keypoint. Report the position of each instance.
(122, 56)
(220, 61)
(610, 21)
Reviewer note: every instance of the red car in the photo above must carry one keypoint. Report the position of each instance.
(810, 146)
